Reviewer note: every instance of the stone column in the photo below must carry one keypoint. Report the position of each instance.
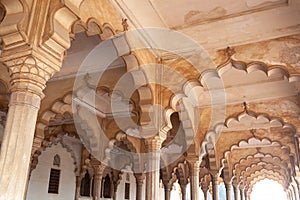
(242, 193)
(297, 178)
(287, 194)
(77, 189)
(295, 189)
(205, 193)
(167, 192)
(228, 190)
(115, 182)
(245, 194)
(139, 185)
(17, 143)
(115, 192)
(153, 146)
(290, 194)
(98, 175)
(215, 185)
(204, 188)
(183, 191)
(25, 99)
(236, 192)
(194, 178)
(293, 192)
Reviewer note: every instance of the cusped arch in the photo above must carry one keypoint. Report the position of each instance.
(285, 152)
(250, 72)
(261, 121)
(58, 139)
(182, 172)
(261, 165)
(258, 170)
(113, 148)
(60, 106)
(271, 176)
(256, 68)
(61, 20)
(264, 173)
(285, 155)
(240, 167)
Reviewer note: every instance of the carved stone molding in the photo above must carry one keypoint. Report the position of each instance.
(29, 73)
(98, 167)
(37, 150)
(139, 177)
(153, 144)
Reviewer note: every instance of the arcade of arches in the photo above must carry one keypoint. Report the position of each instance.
(148, 99)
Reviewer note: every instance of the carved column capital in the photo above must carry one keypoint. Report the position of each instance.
(234, 184)
(194, 166)
(98, 167)
(167, 183)
(29, 74)
(139, 177)
(153, 144)
(214, 172)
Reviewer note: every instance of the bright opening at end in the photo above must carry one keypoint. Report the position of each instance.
(268, 189)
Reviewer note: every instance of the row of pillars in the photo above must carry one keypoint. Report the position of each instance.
(293, 191)
(239, 193)
(17, 143)
(18, 140)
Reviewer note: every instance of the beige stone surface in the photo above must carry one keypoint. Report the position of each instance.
(227, 115)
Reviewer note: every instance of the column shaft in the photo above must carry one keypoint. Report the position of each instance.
(183, 192)
(295, 189)
(236, 192)
(205, 194)
(195, 180)
(17, 144)
(215, 186)
(97, 186)
(242, 194)
(153, 165)
(245, 195)
(77, 189)
(139, 186)
(152, 180)
(167, 193)
(228, 191)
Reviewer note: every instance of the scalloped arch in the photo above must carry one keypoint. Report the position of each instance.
(288, 166)
(264, 173)
(268, 70)
(244, 165)
(248, 116)
(275, 177)
(121, 138)
(54, 141)
(261, 170)
(262, 165)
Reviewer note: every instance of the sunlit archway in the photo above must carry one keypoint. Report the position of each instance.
(268, 189)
